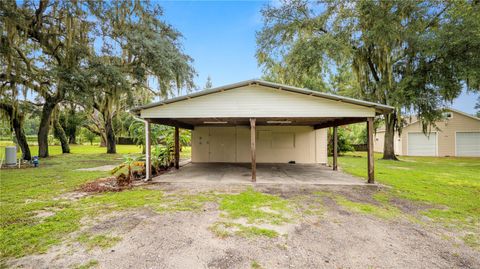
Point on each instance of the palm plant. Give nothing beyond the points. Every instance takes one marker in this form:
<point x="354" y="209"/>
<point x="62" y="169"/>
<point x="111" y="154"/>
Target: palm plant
<point x="129" y="162"/>
<point x="162" y="156"/>
<point x="161" y="135"/>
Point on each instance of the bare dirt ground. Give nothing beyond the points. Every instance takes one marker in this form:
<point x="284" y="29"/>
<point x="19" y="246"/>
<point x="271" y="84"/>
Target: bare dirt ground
<point x="336" y="238"/>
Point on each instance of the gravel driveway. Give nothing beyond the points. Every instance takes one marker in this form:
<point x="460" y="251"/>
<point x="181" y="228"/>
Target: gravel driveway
<point x="334" y="238"/>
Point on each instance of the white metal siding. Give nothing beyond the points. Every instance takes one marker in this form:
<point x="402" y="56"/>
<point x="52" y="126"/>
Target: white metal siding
<point x="468" y="143"/>
<point x="421" y="145"/>
<point x="321" y="142"/>
<point x="222" y="141"/>
<point x="446" y="138"/>
<point x="275" y="144"/>
<point x="379" y="142"/>
<point x="257" y="101"/>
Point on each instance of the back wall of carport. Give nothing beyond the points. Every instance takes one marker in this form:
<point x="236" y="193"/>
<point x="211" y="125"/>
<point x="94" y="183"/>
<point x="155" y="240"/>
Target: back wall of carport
<point x="275" y="144"/>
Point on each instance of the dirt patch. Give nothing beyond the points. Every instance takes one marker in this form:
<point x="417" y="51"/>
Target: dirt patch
<point x="333" y="237"/>
<point x="98" y="168"/>
<point x="44" y="214"/>
<point x="230" y="259"/>
<point x="410" y="207"/>
<point x="359" y="195"/>
<point x="72" y="195"/>
<point x="286" y="192"/>
<point x="24" y="165"/>
<point x="120" y="223"/>
<point x="282" y="229"/>
<point x="399" y="168"/>
<point x="104" y="185"/>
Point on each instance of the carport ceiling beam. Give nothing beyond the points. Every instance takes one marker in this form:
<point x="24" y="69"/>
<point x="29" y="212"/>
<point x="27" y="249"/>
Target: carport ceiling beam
<point x="338" y="122"/>
<point x="172" y="122"/>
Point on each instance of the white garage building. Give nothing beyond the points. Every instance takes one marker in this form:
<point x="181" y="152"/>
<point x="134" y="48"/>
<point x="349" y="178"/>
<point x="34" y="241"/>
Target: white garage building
<point x="458" y="134"/>
<point x="258" y="121"/>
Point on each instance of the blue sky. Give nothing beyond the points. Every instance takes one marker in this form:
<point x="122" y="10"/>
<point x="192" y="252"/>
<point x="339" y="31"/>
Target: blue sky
<point x="220" y="37"/>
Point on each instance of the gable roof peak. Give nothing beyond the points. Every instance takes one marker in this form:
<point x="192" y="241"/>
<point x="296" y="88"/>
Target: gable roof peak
<point x="380" y="108"/>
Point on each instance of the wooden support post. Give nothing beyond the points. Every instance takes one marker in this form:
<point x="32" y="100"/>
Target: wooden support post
<point x="148" y="158"/>
<point x="253" y="149"/>
<point x="371" y="171"/>
<point x="335" y="148"/>
<point x="177" y="147"/>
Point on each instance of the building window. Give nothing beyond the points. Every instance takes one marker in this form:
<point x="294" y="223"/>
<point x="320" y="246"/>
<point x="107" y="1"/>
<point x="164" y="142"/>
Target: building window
<point x="447" y="115"/>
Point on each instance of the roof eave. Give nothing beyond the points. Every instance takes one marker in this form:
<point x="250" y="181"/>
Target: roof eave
<point x="379" y="108"/>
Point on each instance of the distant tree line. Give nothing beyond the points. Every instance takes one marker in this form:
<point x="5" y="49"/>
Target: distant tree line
<point x="75" y="64"/>
<point x="416" y="56"/>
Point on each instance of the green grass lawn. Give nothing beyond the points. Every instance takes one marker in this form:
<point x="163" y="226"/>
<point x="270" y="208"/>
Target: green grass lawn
<point x="86" y="149"/>
<point x="186" y="153"/>
<point x="25" y="192"/>
<point x="450" y="185"/>
<point x="80" y="149"/>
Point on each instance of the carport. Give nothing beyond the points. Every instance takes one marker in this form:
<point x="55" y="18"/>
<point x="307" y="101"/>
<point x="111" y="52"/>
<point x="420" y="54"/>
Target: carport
<point x="243" y="111"/>
<point x="238" y="173"/>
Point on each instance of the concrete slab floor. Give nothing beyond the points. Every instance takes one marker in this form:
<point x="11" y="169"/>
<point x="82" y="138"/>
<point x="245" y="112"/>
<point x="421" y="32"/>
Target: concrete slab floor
<point x="266" y="173"/>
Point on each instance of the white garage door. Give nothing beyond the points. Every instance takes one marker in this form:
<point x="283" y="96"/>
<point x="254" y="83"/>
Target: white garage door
<point x="468" y="144"/>
<point x="421" y="145"/>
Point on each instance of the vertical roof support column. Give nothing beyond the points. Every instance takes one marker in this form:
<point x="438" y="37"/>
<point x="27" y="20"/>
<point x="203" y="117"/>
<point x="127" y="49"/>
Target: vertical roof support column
<point x="177" y="147"/>
<point x="371" y="171"/>
<point x="148" y="159"/>
<point x="253" y="148"/>
<point x="335" y="148"/>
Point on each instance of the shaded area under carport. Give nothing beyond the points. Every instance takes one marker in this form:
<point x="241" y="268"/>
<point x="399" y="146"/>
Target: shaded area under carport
<point x="266" y="173"/>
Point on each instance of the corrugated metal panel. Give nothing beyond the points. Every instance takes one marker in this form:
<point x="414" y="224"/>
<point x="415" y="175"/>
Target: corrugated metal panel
<point x="257" y="101"/>
<point x="380" y="108"/>
<point x="321" y="141"/>
<point x="379" y="143"/>
<point x="222" y="141"/>
<point x="275" y="144"/>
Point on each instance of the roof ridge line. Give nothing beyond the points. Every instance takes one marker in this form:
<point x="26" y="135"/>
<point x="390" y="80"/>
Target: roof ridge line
<point x="380" y="107"/>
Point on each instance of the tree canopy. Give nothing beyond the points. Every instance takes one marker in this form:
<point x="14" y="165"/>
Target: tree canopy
<point x="414" y="55"/>
<point x="98" y="57"/>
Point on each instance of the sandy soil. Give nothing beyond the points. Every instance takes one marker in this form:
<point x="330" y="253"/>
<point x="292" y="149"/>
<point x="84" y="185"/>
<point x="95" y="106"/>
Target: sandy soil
<point x="337" y="238"/>
<point x="98" y="168"/>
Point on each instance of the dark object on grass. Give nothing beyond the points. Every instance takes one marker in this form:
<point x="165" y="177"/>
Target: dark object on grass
<point x="360" y="147"/>
<point x="137" y="175"/>
<point x="35" y="161"/>
<point x="123" y="180"/>
<point x="125" y="141"/>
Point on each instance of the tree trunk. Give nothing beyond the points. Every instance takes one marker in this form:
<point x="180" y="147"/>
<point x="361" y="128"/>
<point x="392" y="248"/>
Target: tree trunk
<point x="44" y="128"/>
<point x="388" y="147"/>
<point x="60" y="134"/>
<point x="21" y="138"/>
<point x="103" y="141"/>
<point x="71" y="124"/>
<point x="111" y="143"/>
<point x="72" y="138"/>
<point x="16" y="122"/>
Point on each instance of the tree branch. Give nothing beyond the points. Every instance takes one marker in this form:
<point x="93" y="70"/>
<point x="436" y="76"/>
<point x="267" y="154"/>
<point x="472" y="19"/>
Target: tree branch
<point x="434" y="19"/>
<point x="372" y="69"/>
